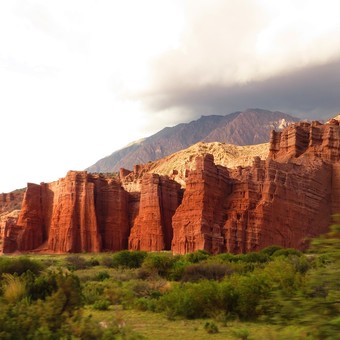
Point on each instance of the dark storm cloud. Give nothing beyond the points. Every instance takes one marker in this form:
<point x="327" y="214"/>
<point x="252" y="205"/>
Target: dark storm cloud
<point x="232" y="55"/>
<point x="312" y="92"/>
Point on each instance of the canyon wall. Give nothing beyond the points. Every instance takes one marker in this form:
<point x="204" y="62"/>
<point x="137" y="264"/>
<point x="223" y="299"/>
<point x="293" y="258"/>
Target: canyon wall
<point x="284" y="200"/>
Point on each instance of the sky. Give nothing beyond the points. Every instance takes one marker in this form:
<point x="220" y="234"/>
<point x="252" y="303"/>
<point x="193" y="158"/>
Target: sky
<point x="80" y="79"/>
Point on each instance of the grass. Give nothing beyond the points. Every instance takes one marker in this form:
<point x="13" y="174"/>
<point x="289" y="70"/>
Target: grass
<point x="119" y="282"/>
<point x="157" y="327"/>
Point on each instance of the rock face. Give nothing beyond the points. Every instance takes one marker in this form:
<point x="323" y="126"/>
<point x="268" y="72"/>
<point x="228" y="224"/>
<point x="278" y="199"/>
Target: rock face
<point x="284" y="200"/>
<point x="197" y="222"/>
<point x="152" y="229"/>
<point x="11" y="201"/>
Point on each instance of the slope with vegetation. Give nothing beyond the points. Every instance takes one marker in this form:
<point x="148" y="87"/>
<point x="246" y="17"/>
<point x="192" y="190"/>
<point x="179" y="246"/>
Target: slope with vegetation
<point x="276" y="293"/>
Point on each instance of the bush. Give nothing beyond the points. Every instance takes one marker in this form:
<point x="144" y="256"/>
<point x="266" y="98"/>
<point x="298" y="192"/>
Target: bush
<point x="124" y="259"/>
<point x="211" y="327"/>
<point x="197" y="256"/>
<point x="107" y="261"/>
<point x="242" y="333"/>
<point x="101" y="276"/>
<point x="19" y="265"/>
<point x="287" y="252"/>
<point x="191" y="300"/>
<point x="255" y="257"/>
<point x="270" y="250"/>
<point x="161" y="264"/>
<point x="75" y="262"/>
<point x="93" y="291"/>
<point x="101" y="305"/>
<point x="14" y="288"/>
<point x="209" y="271"/>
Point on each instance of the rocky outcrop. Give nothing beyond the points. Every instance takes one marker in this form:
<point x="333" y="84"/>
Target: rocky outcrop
<point x="198" y="220"/>
<point x="152" y="229"/>
<point x="283" y="200"/>
<point x="275" y="203"/>
<point x="11" y="201"/>
<point x="8" y="231"/>
<point x="312" y="140"/>
<point x="111" y="207"/>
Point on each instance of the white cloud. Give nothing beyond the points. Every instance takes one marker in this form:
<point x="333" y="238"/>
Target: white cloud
<point x="82" y="78"/>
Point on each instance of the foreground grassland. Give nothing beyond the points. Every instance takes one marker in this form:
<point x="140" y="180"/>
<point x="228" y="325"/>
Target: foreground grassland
<point x="272" y="294"/>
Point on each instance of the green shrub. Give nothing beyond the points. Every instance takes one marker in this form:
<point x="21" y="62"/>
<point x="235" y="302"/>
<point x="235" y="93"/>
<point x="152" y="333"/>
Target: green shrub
<point x="243" y="294"/>
<point x="129" y="259"/>
<point x="178" y="268"/>
<point x="124" y="259"/>
<point x="101" y="305"/>
<point x="270" y="250"/>
<point x="101" y="276"/>
<point x="93" y="291"/>
<point x="39" y="287"/>
<point x="255" y="257"/>
<point x="19" y="265"/>
<point x="197" y="256"/>
<point x="92" y="262"/>
<point x="209" y="271"/>
<point x="161" y="264"/>
<point x="191" y="300"/>
<point x="242" y="333"/>
<point x="211" y="328"/>
<point x="287" y="252"/>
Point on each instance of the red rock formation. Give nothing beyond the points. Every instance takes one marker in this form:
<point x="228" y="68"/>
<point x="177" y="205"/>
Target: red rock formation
<point x="8" y="233"/>
<point x="313" y="140"/>
<point x="11" y="201"/>
<point x="30" y="221"/>
<point x="283" y="200"/>
<point x="112" y="214"/>
<point x="285" y="205"/>
<point x="198" y="221"/>
<point x="152" y="229"/>
<point x="73" y="225"/>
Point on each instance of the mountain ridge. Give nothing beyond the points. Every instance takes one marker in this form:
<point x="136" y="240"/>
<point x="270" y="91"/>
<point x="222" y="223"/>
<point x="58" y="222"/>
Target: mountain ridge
<point x="248" y="127"/>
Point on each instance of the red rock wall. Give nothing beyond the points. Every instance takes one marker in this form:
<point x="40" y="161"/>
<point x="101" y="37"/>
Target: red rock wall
<point x="285" y="207"/>
<point x="111" y="205"/>
<point x="73" y="225"/>
<point x="11" y="201"/>
<point x="30" y="221"/>
<point x="198" y="222"/>
<point x="284" y="200"/>
<point x="313" y="140"/>
<point x="8" y="235"/>
<point x="152" y="228"/>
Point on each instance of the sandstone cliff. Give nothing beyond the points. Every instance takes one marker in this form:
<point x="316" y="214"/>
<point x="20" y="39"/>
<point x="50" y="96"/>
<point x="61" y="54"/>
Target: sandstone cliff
<point x="152" y="229"/>
<point x="284" y="200"/>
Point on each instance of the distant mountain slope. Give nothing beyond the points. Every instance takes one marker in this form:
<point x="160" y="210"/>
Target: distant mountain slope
<point x="242" y="128"/>
<point x="176" y="165"/>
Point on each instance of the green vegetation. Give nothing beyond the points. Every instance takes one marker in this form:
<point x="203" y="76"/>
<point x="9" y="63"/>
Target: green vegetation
<point x="272" y="294"/>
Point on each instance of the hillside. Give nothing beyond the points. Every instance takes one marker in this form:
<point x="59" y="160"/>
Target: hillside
<point x="241" y="128"/>
<point x="177" y="164"/>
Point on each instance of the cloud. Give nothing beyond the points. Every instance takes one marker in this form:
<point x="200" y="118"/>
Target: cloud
<point x="309" y="92"/>
<point x="232" y="55"/>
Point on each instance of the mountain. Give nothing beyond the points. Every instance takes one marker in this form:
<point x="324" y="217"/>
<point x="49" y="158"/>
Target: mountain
<point x="241" y="128"/>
